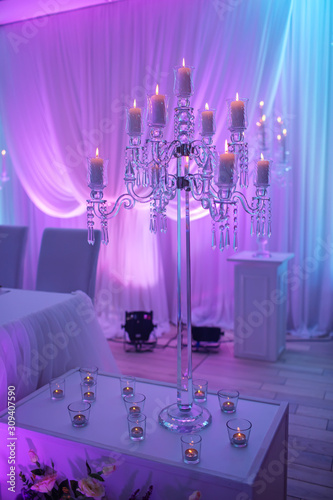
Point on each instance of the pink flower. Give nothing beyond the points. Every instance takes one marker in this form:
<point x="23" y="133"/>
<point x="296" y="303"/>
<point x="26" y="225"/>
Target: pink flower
<point x="196" y="495"/>
<point x="45" y="484"/>
<point x="107" y="469"/>
<point x="33" y="456"/>
<point x="91" y="487"/>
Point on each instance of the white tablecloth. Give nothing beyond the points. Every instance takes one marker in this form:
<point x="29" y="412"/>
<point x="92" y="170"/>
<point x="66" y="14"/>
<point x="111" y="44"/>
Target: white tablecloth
<point x="43" y="335"/>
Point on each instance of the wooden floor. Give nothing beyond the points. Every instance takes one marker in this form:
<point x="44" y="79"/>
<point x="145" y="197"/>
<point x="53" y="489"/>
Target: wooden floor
<point x="303" y="376"/>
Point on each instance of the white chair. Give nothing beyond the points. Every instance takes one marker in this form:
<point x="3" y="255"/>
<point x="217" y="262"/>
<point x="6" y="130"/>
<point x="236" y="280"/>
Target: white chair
<point x="13" y="242"/>
<point x="67" y="262"/>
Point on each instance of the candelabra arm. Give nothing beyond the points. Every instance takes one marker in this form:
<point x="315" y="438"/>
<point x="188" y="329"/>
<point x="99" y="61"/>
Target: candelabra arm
<point x="99" y="206"/>
<point x="136" y="197"/>
<point x="244" y="202"/>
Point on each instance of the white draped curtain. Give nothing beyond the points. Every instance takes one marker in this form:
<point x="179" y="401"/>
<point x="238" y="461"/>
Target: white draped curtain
<point x="65" y="82"/>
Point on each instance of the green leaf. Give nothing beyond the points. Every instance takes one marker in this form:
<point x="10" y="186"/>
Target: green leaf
<point x="96" y="476"/>
<point x="74" y="485"/>
<point x="64" y="484"/>
<point x="88" y="467"/>
<point x="38" y="472"/>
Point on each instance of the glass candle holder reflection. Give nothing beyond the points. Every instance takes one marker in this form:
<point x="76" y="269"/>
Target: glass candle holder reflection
<point x="97" y="172"/>
<point x="200" y="389"/>
<point x="237" y="114"/>
<point x="239" y="432"/>
<point x="191" y="448"/>
<point x="89" y="392"/>
<point x="89" y="375"/>
<point x="134" y="403"/>
<point x="57" y="389"/>
<point x="127" y="386"/>
<point x="79" y="413"/>
<point x="228" y="400"/>
<point x="136" y="426"/>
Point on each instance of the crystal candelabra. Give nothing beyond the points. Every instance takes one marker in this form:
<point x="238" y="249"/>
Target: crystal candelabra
<point x="149" y="179"/>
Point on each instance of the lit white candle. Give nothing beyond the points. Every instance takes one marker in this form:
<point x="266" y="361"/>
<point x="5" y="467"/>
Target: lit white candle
<point x="96" y="170"/>
<point x="184" y="81"/>
<point x="226" y="167"/>
<point x="4" y="176"/>
<point x="157" y="109"/>
<point x="263" y="172"/>
<point x="134" y="120"/>
<point x="207" y="121"/>
<point x="237" y="110"/>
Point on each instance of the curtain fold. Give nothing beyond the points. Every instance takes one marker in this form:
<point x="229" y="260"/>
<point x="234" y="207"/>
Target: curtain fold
<point x="63" y="93"/>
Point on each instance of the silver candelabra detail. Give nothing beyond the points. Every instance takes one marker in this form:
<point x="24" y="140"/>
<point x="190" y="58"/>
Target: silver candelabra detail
<point x="157" y="171"/>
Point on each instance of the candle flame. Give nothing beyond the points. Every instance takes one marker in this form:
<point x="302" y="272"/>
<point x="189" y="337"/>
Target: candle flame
<point x="261" y="104"/>
<point x="258" y="124"/>
<point x="237" y="96"/>
<point x="183" y="62"/>
<point x="263" y="118"/>
<point x="279" y="120"/>
<point x="134" y="104"/>
<point x="96" y="157"/>
<point x="226" y="146"/>
<point x="206" y="106"/>
<point x="262" y="156"/>
<point x="284" y="131"/>
<point x="156" y="89"/>
<point x="3" y="152"/>
<point x="238" y="429"/>
<point x="279" y="137"/>
<point x="187" y="159"/>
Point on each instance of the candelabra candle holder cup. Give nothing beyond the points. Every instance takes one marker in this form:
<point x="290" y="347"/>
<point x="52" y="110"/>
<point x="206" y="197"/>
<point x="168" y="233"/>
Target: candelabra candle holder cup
<point x="239" y="432"/>
<point x="183" y="81"/>
<point x="157" y="111"/>
<point x="207" y="123"/>
<point x="191" y="448"/>
<point x="97" y="172"/>
<point x="263" y="174"/>
<point x="79" y="413"/>
<point x="137" y="426"/>
<point x="226" y="171"/>
<point x="127" y="386"/>
<point x="237" y="114"/>
<point x="89" y="392"/>
<point x="135" y="122"/>
<point x="89" y="375"/>
<point x="134" y="403"/>
<point x="57" y="389"/>
<point x="200" y="390"/>
<point x="228" y="400"/>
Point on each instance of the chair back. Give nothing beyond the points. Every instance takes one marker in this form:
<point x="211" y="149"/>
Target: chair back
<point x="67" y="262"/>
<point x="13" y="242"/>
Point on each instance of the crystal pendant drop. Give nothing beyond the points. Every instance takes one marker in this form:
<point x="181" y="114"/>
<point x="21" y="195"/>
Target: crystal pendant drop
<point x="222" y="240"/>
<point x="213" y="238"/>
<point x="227" y="238"/>
<point x="105" y="234"/>
<point x="91" y="235"/>
<point x="235" y="245"/>
<point x="252" y="227"/>
<point x="138" y="179"/>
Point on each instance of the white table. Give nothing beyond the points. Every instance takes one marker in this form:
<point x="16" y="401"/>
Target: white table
<point x="224" y="471"/>
<point x="43" y="335"/>
<point x="260" y="305"/>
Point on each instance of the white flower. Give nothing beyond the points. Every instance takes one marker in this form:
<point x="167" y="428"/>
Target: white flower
<point x="33" y="456"/>
<point x="196" y="495"/>
<point x="46" y="484"/>
<point x="91" y="487"/>
<point x="107" y="469"/>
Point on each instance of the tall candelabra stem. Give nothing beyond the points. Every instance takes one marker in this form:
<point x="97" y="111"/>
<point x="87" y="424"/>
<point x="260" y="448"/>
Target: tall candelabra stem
<point x="180" y="401"/>
<point x="188" y="294"/>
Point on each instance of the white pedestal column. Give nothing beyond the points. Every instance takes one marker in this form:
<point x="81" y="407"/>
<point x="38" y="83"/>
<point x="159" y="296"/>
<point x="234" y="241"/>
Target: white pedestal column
<point x="260" y="305"/>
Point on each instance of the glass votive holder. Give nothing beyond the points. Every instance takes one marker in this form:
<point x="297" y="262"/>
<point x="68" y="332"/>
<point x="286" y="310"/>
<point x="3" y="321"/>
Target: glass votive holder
<point x="239" y="431"/>
<point x="228" y="400"/>
<point x="127" y="386"/>
<point x="89" y="375"/>
<point x="134" y="403"/>
<point x="89" y="392"/>
<point x="79" y="413"/>
<point x="200" y="389"/>
<point x="137" y="426"/>
<point x="57" y="388"/>
<point x="191" y="448"/>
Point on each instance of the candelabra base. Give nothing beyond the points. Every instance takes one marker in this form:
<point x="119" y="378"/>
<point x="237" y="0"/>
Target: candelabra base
<point x="192" y="420"/>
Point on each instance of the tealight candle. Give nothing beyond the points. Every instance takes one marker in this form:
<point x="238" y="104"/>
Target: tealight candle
<point x="79" y="420"/>
<point x="207" y="121"/>
<point x="157" y="109"/>
<point x="137" y="432"/>
<point x="237" y="110"/>
<point x="199" y="394"/>
<point x="58" y="394"/>
<point x="228" y="406"/>
<point x="134" y="410"/>
<point x="134" y="120"/>
<point x="96" y="170"/>
<point x="226" y="167"/>
<point x="239" y="438"/>
<point x="191" y="455"/>
<point x="127" y="391"/>
<point x="262" y="172"/>
<point x="89" y="396"/>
